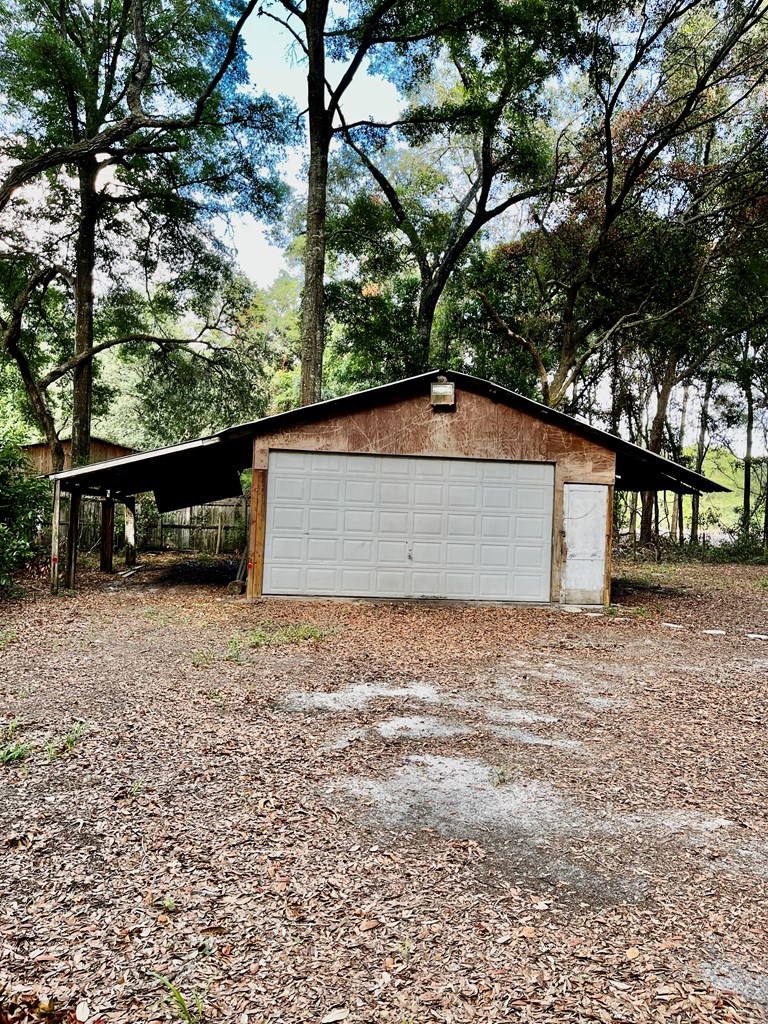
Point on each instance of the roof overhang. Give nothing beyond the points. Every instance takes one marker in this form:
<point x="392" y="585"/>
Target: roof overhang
<point x="208" y="468"/>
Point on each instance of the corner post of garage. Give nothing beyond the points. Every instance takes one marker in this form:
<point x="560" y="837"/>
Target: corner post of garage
<point x="107" y="535"/>
<point x="73" y="532"/>
<point x="55" y="531"/>
<point x="130" y="531"/>
<point x="258" y="525"/>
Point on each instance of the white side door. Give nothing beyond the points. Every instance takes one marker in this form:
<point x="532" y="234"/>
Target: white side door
<point x="585" y="516"/>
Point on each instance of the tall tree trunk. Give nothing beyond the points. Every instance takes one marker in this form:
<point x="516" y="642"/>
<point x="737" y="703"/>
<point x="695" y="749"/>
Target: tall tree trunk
<point x="676" y="525"/>
<point x="85" y="260"/>
<point x="36" y="395"/>
<point x="655" y="437"/>
<point x="425" y="318"/>
<point x="701" y="450"/>
<point x="313" y="303"/>
<point x="746" y="509"/>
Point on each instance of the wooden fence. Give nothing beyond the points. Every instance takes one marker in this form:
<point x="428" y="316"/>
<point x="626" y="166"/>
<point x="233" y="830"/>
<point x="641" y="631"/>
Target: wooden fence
<point x="218" y="528"/>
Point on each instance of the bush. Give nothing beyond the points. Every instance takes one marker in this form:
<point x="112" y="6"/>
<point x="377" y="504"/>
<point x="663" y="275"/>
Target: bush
<point x="23" y="499"/>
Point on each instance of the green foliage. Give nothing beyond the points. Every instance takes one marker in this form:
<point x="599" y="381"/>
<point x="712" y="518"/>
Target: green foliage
<point x="23" y="499"/>
<point x="62" y="746"/>
<point x="268" y="635"/>
<point x="190" y="1011"/>
<point x="12" y="750"/>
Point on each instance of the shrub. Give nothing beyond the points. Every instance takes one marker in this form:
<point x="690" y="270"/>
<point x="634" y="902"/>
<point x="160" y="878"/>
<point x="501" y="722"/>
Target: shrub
<point x="23" y="498"/>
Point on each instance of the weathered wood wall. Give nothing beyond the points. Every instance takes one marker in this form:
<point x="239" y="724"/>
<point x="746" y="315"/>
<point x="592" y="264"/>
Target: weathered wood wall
<point x="101" y="451"/>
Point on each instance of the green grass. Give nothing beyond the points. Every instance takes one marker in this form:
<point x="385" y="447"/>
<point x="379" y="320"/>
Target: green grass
<point x="7" y="636"/>
<point x="722" y="468"/>
<point x="62" y="746"/>
<point x="268" y="635"/>
<point x="191" y="1011"/>
<point x="13" y="750"/>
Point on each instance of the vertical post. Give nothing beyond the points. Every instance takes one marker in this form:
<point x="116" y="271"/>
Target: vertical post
<point x="130" y="532"/>
<point x="608" y="547"/>
<point x="55" y="516"/>
<point x="72" y="538"/>
<point x="257" y="533"/>
<point x="107" y="538"/>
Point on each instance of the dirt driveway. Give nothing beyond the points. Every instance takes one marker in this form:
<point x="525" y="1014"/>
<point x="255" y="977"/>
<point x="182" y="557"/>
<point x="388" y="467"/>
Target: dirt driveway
<point x="338" y="811"/>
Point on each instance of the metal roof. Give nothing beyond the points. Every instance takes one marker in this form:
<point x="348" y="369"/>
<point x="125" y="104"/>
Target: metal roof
<point x="208" y="468"/>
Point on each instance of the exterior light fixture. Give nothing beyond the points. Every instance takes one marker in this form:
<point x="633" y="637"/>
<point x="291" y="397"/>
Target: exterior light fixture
<point x="443" y="393"/>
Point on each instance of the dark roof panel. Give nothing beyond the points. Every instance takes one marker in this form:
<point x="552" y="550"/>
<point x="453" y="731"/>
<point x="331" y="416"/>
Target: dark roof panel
<point x="228" y="451"/>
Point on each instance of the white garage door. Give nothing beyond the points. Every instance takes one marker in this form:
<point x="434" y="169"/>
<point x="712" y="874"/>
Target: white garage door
<point x="386" y="526"/>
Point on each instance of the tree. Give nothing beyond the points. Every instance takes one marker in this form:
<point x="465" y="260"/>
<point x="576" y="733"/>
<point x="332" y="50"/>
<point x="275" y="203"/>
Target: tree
<point x="146" y="132"/>
<point x="22" y="500"/>
<point x="371" y="29"/>
<point x="660" y="137"/>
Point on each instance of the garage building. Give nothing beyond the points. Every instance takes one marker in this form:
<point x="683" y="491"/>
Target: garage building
<point x="441" y="486"/>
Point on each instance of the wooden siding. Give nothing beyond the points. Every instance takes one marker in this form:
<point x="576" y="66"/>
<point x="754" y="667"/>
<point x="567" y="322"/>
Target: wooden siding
<point x="101" y="451"/>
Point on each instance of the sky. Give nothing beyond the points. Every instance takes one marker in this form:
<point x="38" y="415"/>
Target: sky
<point x="275" y="68"/>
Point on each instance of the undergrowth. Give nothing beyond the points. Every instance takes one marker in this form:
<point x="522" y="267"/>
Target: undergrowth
<point x="267" y="635"/>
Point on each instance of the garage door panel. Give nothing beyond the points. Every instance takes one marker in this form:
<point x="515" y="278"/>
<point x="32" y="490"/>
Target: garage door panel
<point x="394" y="551"/>
<point x="494" y="555"/>
<point x="497" y="497"/>
<point x="325" y="519"/>
<point x="290" y="488"/>
<point x="357" y="550"/>
<point x="428" y="494"/>
<point x="529" y="557"/>
<point x="460" y="554"/>
<point x="363" y="491"/>
<point x="391" y="584"/>
<point x="428" y="524"/>
<point x="462" y="526"/>
<point x="323" y="549"/>
<point x="359" y="521"/>
<point x="356" y="581"/>
<point x="459" y="469"/>
<point x="534" y="499"/>
<point x="495" y="526"/>
<point x="379" y="526"/>
<point x="495" y="585"/>
<point x="531" y="528"/>
<point x="287" y="549"/>
<point x="393" y="492"/>
<point x="463" y="497"/>
<point x="291" y="517"/>
<point x="460" y="585"/>
<point x="322" y="581"/>
<point x="393" y="522"/>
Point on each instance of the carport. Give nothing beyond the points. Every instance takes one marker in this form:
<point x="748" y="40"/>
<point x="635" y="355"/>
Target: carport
<point x="441" y="486"/>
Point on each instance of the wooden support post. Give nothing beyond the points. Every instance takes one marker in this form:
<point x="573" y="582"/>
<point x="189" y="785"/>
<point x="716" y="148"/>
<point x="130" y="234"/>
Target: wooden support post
<point x="72" y="538"/>
<point x="219" y="531"/>
<point x="608" y="547"/>
<point x="130" y="532"/>
<point x="256" y="534"/>
<point x="107" y="538"/>
<point x="55" y="516"/>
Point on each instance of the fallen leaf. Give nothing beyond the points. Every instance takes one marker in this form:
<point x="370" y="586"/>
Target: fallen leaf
<point x="339" y="1013"/>
<point x="632" y="953"/>
<point x="82" y="1011"/>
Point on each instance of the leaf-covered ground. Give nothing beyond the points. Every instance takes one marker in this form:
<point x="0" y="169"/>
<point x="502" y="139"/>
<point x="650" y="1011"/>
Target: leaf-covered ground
<point x="329" y="811"/>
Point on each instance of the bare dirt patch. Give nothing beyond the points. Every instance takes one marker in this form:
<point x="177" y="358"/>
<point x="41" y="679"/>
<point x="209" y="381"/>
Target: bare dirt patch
<point x="417" y="814"/>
